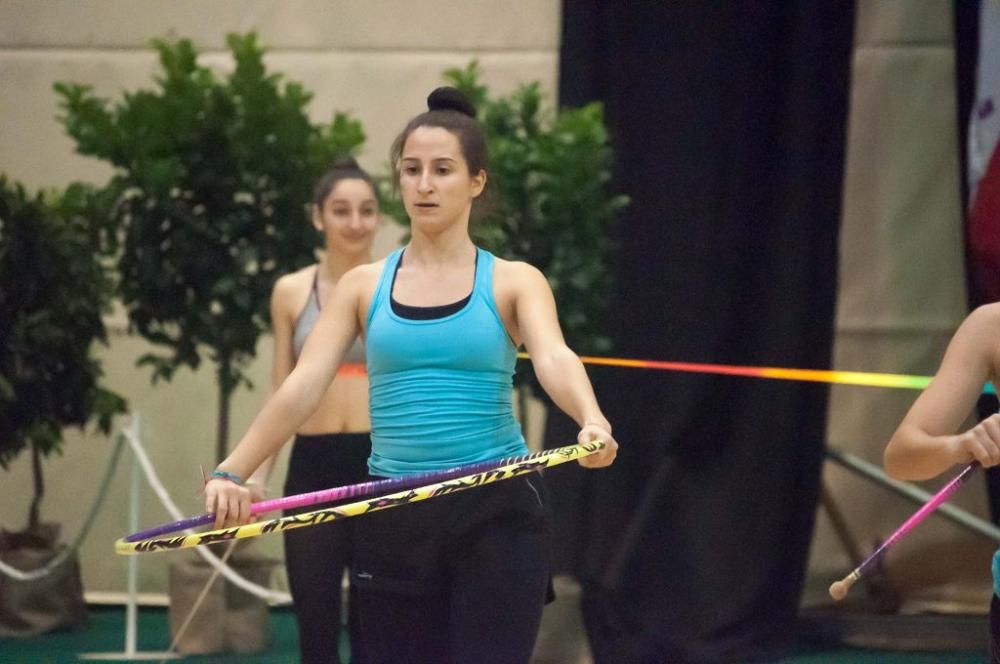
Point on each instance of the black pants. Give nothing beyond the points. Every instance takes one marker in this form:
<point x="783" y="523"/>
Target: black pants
<point x="316" y="557"/>
<point x="460" y="578"/>
<point x="987" y="405"/>
<point x="995" y="630"/>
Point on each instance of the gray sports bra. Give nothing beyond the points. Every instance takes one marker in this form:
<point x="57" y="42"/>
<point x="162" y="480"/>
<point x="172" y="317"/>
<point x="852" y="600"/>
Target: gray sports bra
<point x="307" y="318"/>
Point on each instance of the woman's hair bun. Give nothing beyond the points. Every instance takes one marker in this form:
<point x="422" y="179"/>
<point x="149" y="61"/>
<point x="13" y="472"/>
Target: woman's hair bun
<point x="346" y="162"/>
<point x="450" y="99"/>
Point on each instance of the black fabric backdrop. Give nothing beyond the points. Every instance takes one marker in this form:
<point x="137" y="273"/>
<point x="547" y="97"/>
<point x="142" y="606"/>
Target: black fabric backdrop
<point x="728" y="120"/>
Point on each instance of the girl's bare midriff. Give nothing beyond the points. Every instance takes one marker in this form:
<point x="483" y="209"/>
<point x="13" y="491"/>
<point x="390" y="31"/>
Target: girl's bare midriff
<point x="344" y="408"/>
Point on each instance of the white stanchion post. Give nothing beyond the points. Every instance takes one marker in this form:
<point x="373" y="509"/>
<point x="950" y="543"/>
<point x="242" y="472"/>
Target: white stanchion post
<point x="131" y="654"/>
<point x="131" y="609"/>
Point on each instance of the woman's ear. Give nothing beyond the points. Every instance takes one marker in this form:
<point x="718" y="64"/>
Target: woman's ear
<point x="478" y="183"/>
<point x="316" y="216"/>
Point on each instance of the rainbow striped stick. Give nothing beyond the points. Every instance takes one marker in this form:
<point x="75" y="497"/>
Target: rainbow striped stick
<point x="517" y="468"/>
<point x="864" y="378"/>
<point x="838" y="589"/>
<point x="338" y="493"/>
<point x="869" y="379"/>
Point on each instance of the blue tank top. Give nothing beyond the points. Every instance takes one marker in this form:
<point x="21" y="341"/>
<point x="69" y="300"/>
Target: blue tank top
<point x="440" y="389"/>
<point x="995" y="568"/>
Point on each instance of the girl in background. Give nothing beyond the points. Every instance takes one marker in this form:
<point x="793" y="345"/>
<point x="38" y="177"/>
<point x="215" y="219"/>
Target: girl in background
<point x="332" y="445"/>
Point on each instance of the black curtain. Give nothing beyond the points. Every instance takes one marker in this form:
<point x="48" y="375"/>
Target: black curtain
<point x="728" y="120"/>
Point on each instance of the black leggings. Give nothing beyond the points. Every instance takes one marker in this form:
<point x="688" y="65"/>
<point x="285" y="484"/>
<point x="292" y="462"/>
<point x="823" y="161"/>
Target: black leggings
<point x="316" y="557"/>
<point x="995" y="630"/>
<point x="460" y="578"/>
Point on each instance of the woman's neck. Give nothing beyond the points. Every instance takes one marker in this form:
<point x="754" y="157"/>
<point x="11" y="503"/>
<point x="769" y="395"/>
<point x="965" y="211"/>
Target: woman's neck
<point x="440" y="249"/>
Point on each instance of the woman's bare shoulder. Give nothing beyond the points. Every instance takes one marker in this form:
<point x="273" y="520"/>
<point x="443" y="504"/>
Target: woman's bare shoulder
<point x="363" y="277"/>
<point x="290" y="289"/>
<point x="989" y="313"/>
<point x="980" y="332"/>
<point x="519" y="277"/>
<point x="983" y="323"/>
<point x="298" y="279"/>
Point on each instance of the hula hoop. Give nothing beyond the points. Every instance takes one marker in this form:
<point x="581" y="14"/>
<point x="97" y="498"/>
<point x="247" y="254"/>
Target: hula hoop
<point x="337" y="494"/>
<point x="515" y="468"/>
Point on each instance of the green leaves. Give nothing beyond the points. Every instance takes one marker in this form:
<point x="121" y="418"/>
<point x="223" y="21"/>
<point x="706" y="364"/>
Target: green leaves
<point x="552" y="171"/>
<point x="213" y="174"/>
<point x="53" y="290"/>
<point x="342" y="136"/>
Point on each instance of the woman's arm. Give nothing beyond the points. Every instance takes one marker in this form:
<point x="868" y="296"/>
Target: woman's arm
<point x="295" y="400"/>
<point x="282" y="359"/>
<point x="926" y="442"/>
<point x="559" y="370"/>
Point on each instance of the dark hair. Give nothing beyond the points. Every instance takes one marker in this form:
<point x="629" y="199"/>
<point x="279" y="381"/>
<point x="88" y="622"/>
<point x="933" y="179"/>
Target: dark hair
<point x="449" y="109"/>
<point x="344" y="168"/>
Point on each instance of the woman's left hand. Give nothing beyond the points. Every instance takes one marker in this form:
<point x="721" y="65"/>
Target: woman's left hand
<point x="607" y="455"/>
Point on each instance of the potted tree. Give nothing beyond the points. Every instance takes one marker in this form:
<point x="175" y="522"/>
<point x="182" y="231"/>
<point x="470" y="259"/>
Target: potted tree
<point x="212" y="176"/>
<point x="53" y="291"/>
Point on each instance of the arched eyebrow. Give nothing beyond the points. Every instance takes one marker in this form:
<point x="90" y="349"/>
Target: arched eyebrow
<point x="435" y="160"/>
<point x="344" y="201"/>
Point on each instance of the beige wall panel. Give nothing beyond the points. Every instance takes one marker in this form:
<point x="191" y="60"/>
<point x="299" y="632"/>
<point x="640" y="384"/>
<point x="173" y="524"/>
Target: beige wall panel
<point x="386" y="90"/>
<point x="303" y="24"/>
<point x="881" y="22"/>
<point x="34" y="149"/>
<point x="901" y="291"/>
<point x="901" y="244"/>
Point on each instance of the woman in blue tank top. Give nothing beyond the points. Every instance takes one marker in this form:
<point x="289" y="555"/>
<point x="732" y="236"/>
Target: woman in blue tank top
<point x="462" y="578"/>
<point x="928" y="441"/>
<point x="332" y="446"/>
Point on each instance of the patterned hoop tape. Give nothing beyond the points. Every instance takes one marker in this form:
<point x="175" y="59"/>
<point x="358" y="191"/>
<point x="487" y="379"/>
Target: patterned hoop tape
<point x="336" y="494"/>
<point x="545" y="459"/>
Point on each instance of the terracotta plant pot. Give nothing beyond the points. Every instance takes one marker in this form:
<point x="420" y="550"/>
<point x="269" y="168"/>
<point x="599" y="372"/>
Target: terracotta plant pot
<point x="229" y="618"/>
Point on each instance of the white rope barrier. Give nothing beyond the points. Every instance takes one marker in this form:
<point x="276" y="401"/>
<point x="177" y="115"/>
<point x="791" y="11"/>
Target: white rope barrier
<point x="60" y="558"/>
<point x="271" y="596"/>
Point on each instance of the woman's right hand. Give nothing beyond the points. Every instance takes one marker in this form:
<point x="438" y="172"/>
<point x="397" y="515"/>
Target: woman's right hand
<point x="228" y="501"/>
<point x="981" y="443"/>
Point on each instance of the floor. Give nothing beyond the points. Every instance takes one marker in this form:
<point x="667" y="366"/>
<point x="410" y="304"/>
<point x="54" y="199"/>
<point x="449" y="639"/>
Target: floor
<point x="824" y="637"/>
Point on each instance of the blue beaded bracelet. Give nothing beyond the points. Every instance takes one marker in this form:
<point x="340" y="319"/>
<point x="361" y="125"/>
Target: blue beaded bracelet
<point x="226" y="475"/>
